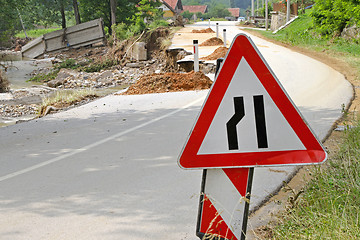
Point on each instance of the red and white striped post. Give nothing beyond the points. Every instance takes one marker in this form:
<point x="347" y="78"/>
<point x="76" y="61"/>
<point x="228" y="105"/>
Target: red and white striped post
<point x="224" y="203"/>
<point x="196" y="55"/>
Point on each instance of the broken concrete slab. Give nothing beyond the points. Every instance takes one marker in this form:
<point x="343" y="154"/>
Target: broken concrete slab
<point x="80" y="35"/>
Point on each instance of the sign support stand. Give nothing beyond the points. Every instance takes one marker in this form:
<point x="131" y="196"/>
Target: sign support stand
<point x="247" y="203"/>
<point x="201" y="199"/>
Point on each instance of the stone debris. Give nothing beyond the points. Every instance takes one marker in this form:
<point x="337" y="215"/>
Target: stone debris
<point x="14" y="111"/>
<point x="23" y="102"/>
<point x="129" y="74"/>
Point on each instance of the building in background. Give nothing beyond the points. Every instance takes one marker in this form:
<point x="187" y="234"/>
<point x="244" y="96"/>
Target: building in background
<point x="235" y="13"/>
<point x="171" y="8"/>
<point x="196" y="9"/>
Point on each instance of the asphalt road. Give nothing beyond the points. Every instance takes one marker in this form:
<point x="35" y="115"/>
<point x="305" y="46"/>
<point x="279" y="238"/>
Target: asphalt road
<point x="108" y="170"/>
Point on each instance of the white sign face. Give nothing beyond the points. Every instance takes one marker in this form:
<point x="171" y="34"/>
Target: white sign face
<point x="243" y="96"/>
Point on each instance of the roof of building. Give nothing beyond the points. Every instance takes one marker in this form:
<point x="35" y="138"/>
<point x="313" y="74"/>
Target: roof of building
<point x="196" y="8"/>
<point x="235" y="12"/>
<point x="172" y="4"/>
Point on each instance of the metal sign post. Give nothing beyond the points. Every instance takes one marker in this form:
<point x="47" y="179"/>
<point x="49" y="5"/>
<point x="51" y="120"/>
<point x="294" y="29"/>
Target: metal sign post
<point x="247" y="203"/>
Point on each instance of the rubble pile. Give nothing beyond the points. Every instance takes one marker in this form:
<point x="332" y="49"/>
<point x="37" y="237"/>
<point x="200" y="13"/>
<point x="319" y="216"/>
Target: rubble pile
<point x="13" y="111"/>
<point x="129" y="74"/>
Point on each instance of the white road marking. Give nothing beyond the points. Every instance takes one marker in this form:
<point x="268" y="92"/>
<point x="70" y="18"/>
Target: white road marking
<point x="95" y="144"/>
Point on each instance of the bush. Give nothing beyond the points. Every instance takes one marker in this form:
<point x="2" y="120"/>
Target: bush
<point x="124" y="31"/>
<point x="158" y="23"/>
<point x="68" y="63"/>
<point x="44" y="77"/>
<point x="332" y="16"/>
<point x="97" y="67"/>
<point x="187" y="14"/>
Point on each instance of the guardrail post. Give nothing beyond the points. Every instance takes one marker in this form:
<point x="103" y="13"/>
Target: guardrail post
<point x="224" y="36"/>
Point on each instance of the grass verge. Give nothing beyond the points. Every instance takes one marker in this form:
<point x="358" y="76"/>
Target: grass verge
<point x="329" y="208"/>
<point x="65" y="98"/>
<point x="330" y="205"/>
<point x="35" y="33"/>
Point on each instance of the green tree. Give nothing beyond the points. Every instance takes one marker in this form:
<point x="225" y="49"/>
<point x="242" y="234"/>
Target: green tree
<point x="76" y="12"/>
<point x="45" y="12"/>
<point x="187" y="14"/>
<point x="9" y="21"/>
<point x="243" y="4"/>
<point x="92" y="9"/>
<point x="218" y="11"/>
<point x="191" y="2"/>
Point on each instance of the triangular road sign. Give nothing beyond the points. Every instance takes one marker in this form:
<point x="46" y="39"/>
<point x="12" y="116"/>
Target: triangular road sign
<point x="248" y="119"/>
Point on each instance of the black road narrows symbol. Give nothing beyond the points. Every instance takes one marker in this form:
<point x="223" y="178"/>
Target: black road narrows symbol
<point x="234" y="120"/>
<point x="260" y="121"/>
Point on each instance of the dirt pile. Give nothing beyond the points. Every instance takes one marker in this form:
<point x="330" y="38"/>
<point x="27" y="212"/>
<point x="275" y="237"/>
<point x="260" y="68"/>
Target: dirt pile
<point x="220" y="52"/>
<point x="170" y="82"/>
<point x="212" y="42"/>
<point x="4" y="83"/>
<point x="154" y="39"/>
<point x="207" y="30"/>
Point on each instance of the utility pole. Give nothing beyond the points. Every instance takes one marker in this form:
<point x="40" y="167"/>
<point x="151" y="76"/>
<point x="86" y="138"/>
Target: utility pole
<point x="252" y="8"/>
<point x="22" y="23"/>
<point x="288" y="11"/>
<point x="266" y="15"/>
